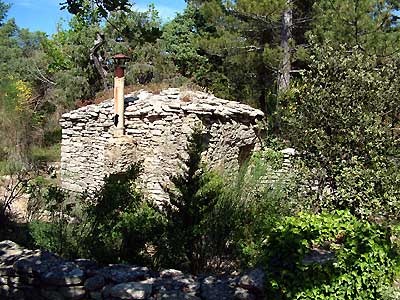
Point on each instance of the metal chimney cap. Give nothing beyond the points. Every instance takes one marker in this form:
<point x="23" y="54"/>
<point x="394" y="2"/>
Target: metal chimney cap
<point x="119" y="62"/>
<point x="120" y="56"/>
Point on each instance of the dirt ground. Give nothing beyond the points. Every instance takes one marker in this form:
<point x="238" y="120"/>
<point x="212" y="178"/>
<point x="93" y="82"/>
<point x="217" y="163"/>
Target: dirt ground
<point x="19" y="207"/>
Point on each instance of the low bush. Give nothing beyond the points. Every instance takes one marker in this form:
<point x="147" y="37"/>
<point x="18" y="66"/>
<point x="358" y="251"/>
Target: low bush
<point x="121" y="226"/>
<point x="262" y="193"/>
<point x="214" y="221"/>
<point x="190" y="241"/>
<point x="209" y="221"/>
<point x="57" y="225"/>
<point x="113" y="226"/>
<point x="328" y="256"/>
<point x="46" y="154"/>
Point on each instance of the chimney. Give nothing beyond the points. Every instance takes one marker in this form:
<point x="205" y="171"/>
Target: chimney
<point x="119" y="85"/>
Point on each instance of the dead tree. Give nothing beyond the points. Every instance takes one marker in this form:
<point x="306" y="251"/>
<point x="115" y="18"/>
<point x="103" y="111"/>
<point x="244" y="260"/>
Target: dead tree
<point x="286" y="35"/>
<point x="98" y="60"/>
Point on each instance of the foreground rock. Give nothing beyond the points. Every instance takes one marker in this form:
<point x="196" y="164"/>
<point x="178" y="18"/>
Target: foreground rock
<point x="40" y="275"/>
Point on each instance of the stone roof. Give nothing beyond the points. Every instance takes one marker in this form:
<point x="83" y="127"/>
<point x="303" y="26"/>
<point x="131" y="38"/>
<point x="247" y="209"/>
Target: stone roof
<point x="169" y="101"/>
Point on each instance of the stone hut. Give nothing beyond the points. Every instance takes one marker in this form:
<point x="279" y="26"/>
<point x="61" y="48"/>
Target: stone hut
<point x="157" y="128"/>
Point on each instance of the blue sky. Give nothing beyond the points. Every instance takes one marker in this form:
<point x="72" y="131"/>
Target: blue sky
<point x="44" y="15"/>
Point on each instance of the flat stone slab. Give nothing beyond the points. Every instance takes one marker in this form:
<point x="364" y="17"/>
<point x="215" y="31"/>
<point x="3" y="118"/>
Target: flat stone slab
<point x="63" y="274"/>
<point x="243" y="294"/>
<point x="213" y="288"/>
<point x="73" y="292"/>
<point x="253" y="281"/>
<point x="175" y="295"/>
<point x="123" y="273"/>
<point x="171" y="273"/>
<point x="95" y="283"/>
<point x="36" y="262"/>
<point x="131" y="290"/>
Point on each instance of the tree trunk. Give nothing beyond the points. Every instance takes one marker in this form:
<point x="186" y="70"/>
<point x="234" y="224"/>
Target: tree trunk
<point x="98" y="60"/>
<point x="286" y="34"/>
<point x="262" y="80"/>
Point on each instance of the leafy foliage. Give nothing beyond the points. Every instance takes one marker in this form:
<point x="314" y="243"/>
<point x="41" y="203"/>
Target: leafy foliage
<point x="22" y="107"/>
<point x="59" y="235"/>
<point x="4" y="7"/>
<point x="357" y="261"/>
<point x="121" y="225"/>
<point x="241" y="46"/>
<point x="117" y="227"/>
<point x="179" y="39"/>
<point x="95" y="9"/>
<point x="343" y="122"/>
<point x="262" y="193"/>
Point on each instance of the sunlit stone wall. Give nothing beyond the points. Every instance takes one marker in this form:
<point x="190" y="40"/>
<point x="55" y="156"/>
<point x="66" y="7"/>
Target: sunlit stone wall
<point x="157" y="128"/>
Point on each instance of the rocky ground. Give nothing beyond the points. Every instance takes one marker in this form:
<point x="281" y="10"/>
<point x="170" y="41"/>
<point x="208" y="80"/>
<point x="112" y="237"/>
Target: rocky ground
<point x="34" y="274"/>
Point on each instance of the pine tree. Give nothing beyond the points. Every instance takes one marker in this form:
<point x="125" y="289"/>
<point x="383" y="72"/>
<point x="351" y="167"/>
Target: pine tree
<point x="371" y="25"/>
<point x="253" y="44"/>
<point x="4" y="7"/>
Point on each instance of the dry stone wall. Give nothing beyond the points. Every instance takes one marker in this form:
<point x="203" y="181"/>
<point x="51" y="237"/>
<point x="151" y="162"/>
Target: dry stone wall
<point x="39" y="275"/>
<point x="157" y="128"/>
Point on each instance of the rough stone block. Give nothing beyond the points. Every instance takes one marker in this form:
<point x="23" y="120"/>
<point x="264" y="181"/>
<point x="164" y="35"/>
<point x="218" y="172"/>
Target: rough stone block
<point x="51" y="294"/>
<point x="171" y="273"/>
<point x="243" y="294"/>
<point x="131" y="290"/>
<point x="253" y="281"/>
<point x="73" y="292"/>
<point x="94" y="283"/>
<point x="96" y="295"/>
<point x="63" y="274"/>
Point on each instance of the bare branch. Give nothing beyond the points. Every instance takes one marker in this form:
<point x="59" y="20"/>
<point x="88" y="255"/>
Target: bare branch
<point x="42" y="77"/>
<point x="97" y="59"/>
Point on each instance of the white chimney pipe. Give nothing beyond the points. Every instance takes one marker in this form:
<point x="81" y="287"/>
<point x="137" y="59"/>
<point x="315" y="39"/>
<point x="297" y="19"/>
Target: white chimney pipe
<point x="119" y="86"/>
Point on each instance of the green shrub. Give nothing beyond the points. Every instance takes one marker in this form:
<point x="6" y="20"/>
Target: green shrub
<point x="43" y="235"/>
<point x="113" y="226"/>
<point x="328" y="256"/>
<point x="252" y="201"/>
<point x="63" y="230"/>
<point x="213" y="220"/>
<point x="190" y="242"/>
<point x="122" y="227"/>
<point x="207" y="222"/>
<point x="46" y="154"/>
<point x="61" y="237"/>
<point x="141" y="231"/>
<point x="52" y="136"/>
<point x="342" y="120"/>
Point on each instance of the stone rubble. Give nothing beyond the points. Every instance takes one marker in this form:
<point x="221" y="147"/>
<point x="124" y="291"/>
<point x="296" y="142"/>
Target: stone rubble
<point x="39" y="275"/>
<point x="157" y="128"/>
